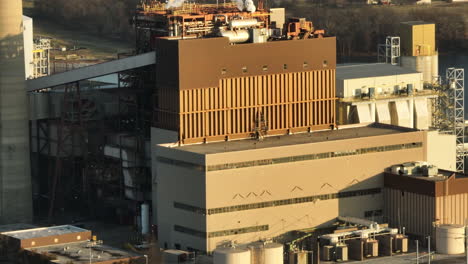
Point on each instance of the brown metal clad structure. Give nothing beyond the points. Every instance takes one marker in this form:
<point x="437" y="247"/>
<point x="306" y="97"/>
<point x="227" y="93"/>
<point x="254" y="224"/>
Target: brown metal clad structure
<point x="418" y="203"/>
<point x="218" y="91"/>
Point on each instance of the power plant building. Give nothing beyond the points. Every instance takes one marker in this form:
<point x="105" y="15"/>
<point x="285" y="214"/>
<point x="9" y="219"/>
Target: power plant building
<point x="248" y="190"/>
<point x="420" y="196"/>
<point x="383" y="93"/>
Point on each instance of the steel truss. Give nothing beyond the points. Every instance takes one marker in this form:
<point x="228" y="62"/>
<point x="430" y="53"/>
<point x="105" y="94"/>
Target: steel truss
<point x="390" y="51"/>
<point x="455" y="80"/>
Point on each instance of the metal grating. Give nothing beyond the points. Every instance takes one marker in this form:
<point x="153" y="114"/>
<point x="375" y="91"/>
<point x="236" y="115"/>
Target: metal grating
<point x="455" y="79"/>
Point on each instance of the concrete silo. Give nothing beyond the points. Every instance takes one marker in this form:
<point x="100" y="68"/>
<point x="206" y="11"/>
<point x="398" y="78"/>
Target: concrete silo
<point x="15" y="175"/>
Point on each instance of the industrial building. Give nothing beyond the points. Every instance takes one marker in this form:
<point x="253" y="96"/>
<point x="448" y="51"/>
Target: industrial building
<point x="59" y="244"/>
<point x="256" y="201"/>
<point x="383" y="93"/>
<point x="228" y="136"/>
<point x="420" y="196"/>
<point x="418" y="49"/>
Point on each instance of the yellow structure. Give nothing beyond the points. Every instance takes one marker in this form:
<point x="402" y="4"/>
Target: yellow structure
<point x="418" y="49"/>
<point x="417" y="38"/>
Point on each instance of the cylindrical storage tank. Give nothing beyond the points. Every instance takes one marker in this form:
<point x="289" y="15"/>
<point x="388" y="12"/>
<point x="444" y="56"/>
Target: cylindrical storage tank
<point x="236" y="36"/>
<point x="257" y="251"/>
<point x="450" y="239"/>
<point x="15" y="174"/>
<point x="231" y="256"/>
<point x="145" y="221"/>
<point x="243" y="23"/>
<point x="274" y="253"/>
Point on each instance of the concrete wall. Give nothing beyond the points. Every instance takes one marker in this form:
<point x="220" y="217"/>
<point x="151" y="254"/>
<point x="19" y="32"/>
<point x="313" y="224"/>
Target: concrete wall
<point x="382" y="84"/>
<point x="158" y="136"/>
<point x="257" y="184"/>
<point x="427" y="65"/>
<point x="28" y="46"/>
<point x="405" y="111"/>
<point x="15" y="174"/>
<point x="441" y="150"/>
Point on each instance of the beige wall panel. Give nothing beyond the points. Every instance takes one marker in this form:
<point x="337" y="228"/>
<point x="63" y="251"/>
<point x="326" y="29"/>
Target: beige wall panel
<point x="282" y="219"/>
<point x="441" y="150"/>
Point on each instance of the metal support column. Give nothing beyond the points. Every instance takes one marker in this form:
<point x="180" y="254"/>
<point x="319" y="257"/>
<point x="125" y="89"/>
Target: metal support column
<point x="455" y="79"/>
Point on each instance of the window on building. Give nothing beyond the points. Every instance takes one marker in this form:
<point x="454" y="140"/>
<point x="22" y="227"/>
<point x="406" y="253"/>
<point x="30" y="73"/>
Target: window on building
<point x="285" y="66"/>
<point x="244" y="69"/>
<point x="305" y="65"/>
<point x="325" y="63"/>
<point x="223" y="71"/>
<point x="265" y="68"/>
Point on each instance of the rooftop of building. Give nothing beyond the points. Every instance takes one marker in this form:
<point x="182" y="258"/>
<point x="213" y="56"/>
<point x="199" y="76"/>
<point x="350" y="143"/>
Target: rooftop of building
<point x="344" y="132"/>
<point x="368" y="70"/>
<point x="426" y="179"/>
<point x="414" y="23"/>
<point x="15" y="227"/>
<point x="78" y="253"/>
<point x="44" y="232"/>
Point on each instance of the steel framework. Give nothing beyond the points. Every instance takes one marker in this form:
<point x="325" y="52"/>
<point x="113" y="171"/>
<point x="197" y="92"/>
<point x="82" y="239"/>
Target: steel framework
<point x="390" y="51"/>
<point x="455" y="80"/>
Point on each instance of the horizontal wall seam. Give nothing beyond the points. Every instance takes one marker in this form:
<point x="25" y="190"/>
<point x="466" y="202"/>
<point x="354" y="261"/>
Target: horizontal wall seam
<point x="298" y="200"/>
<point x="254" y="163"/>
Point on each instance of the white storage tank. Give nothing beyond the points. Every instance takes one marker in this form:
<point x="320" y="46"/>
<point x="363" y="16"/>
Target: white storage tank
<point x="274" y="253"/>
<point x="257" y="251"/>
<point x="231" y="256"/>
<point x="450" y="239"/>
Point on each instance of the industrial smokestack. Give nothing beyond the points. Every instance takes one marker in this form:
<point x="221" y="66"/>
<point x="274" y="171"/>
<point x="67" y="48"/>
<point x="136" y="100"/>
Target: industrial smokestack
<point x="15" y="174"/>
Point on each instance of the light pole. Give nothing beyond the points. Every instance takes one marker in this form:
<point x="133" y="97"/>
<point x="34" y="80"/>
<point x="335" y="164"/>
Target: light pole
<point x="417" y="251"/>
<point x="91" y="243"/>
<point x="146" y="258"/>
<point x="429" y="249"/>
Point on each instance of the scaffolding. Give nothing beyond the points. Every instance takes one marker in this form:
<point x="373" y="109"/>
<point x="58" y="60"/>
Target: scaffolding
<point x="41" y="57"/>
<point x="455" y="81"/>
<point x="390" y="51"/>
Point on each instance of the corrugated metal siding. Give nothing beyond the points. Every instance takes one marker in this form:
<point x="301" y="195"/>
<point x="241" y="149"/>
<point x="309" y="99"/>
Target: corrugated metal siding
<point x="290" y="102"/>
<point x="452" y="209"/>
<point x="415" y="212"/>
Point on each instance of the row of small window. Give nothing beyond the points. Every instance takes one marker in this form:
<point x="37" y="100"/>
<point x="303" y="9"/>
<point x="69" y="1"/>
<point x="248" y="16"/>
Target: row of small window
<point x="325" y="155"/>
<point x="180" y="163"/>
<point x="305" y="66"/>
<point x="298" y="200"/>
<point x="373" y="213"/>
<point x="254" y="163"/>
<point x="228" y="232"/>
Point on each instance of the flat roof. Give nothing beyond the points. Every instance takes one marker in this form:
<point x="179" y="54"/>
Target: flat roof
<point x="15" y="227"/>
<point x="345" y="132"/>
<point x="79" y="253"/>
<point x="44" y="232"/>
<point x="367" y="70"/>
<point x="413" y="23"/>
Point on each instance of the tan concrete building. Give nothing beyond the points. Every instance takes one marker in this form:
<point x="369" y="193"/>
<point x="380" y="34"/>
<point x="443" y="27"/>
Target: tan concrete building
<point x="420" y="202"/>
<point x="383" y="93"/>
<point x="210" y="194"/>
